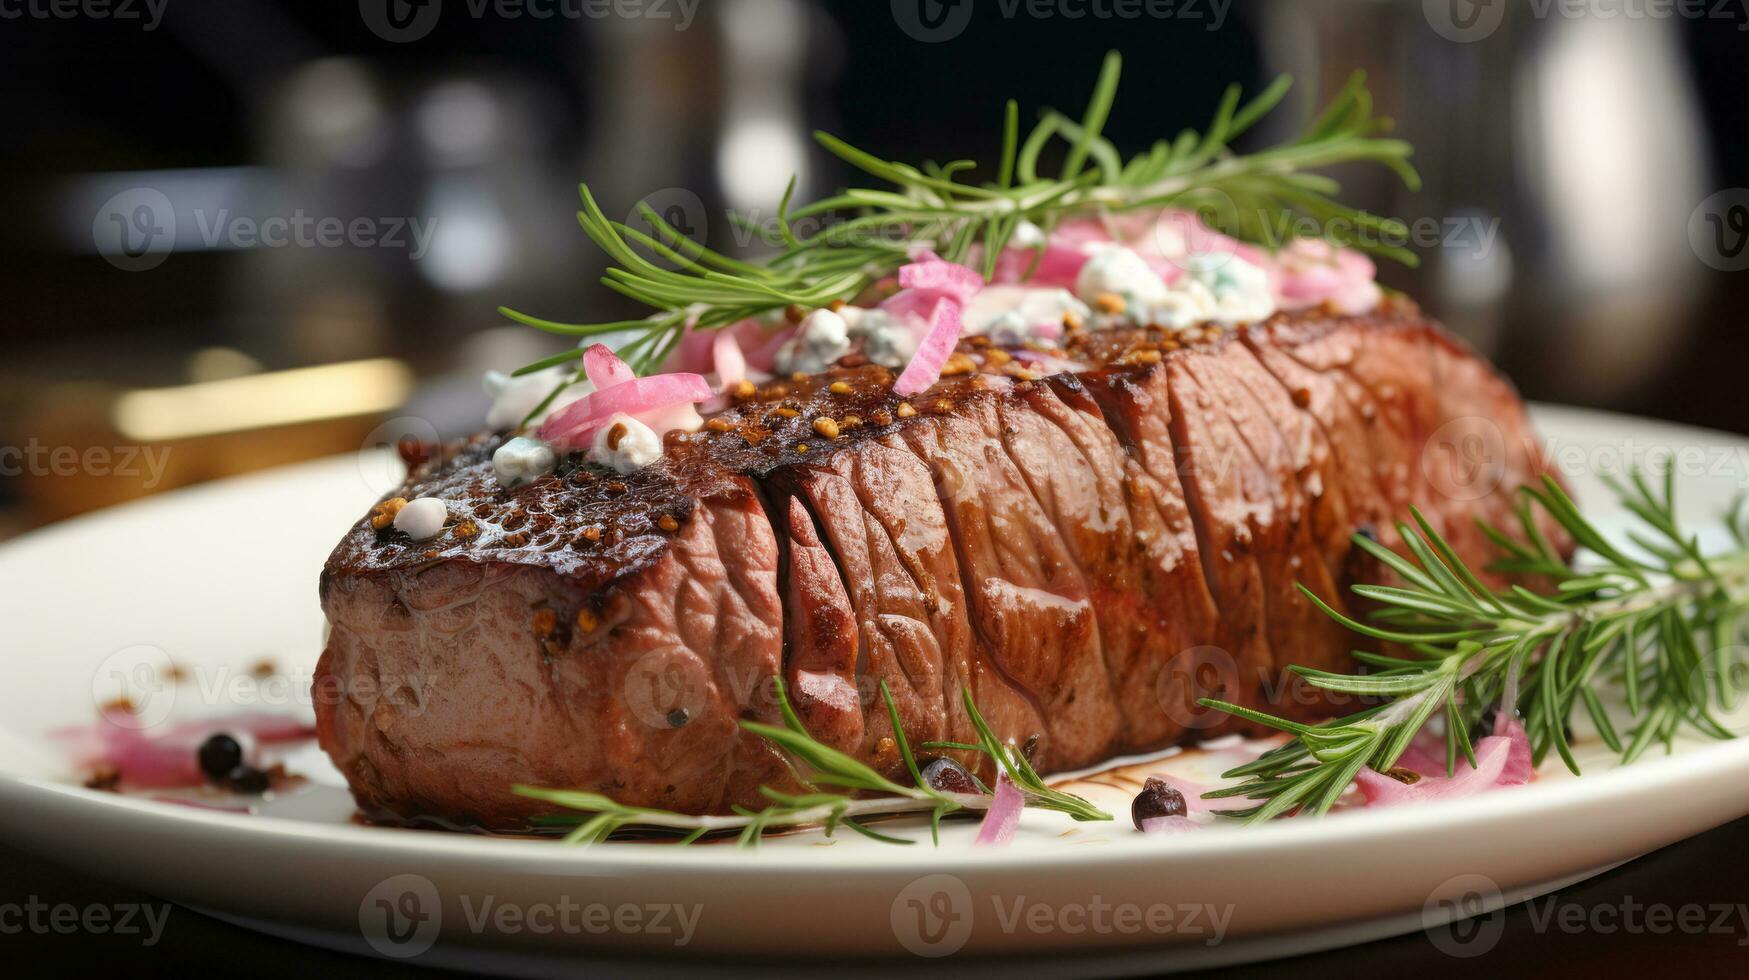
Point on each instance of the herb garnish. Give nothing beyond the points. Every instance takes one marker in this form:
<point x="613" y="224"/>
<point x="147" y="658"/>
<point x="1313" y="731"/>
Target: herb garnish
<point x="821" y="766"/>
<point x="1661" y="624"/>
<point x="1252" y="197"/>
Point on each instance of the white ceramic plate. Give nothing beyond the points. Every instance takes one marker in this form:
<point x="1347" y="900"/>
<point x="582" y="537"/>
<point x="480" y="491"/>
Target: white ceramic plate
<point x="216" y="578"/>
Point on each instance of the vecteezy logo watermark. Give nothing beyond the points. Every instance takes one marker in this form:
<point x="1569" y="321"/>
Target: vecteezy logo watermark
<point x="1191" y="675"/>
<point x="400" y="21"/>
<point x="667" y="687"/>
<point x="1718" y="230"/>
<point x="1464" y="21"/>
<point x="680" y="210"/>
<point x="403" y="436"/>
<point x="66" y="919"/>
<point x="404" y="21"/>
<point x="401" y="916"/>
<point x="932" y="916"/>
<point x="1464" y="916"/>
<point x="135" y="230"/>
<point x="1465" y="459"/>
<point x="934" y="21"/>
<point x="143" y="677"/>
<point x="148" y="13"/>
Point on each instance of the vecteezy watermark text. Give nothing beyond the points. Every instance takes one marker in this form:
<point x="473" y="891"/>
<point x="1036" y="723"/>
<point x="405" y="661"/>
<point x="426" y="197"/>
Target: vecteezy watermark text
<point x="405" y="21"/>
<point x="933" y="21"/>
<point x="147" y="13"/>
<point x="146" y="463"/>
<point x="137" y="229"/>
<point x="305" y="231"/>
<point x="36" y="916"/>
<point x="1465" y="21"/>
<point x="402" y="916"/>
<point x="933" y="917"/>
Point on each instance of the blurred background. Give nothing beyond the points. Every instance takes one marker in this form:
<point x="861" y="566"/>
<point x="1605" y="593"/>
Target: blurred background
<point x="246" y="232"/>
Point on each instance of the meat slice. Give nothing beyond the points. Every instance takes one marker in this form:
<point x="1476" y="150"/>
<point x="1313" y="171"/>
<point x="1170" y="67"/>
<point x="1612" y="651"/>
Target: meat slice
<point x="1087" y="554"/>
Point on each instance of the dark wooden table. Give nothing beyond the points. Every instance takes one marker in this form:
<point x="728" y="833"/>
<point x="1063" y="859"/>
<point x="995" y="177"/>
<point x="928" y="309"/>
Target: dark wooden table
<point x="1707" y="871"/>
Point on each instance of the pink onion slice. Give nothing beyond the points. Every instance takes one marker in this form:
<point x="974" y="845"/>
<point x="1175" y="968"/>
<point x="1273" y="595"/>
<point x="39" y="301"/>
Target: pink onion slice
<point x="1169" y="825"/>
<point x="604" y="368"/>
<point x="1426" y="754"/>
<point x="1520" y="764"/>
<point x="1003" y="817"/>
<point x="937" y="278"/>
<point x="731" y="364"/>
<point x="1491" y="752"/>
<point x="932" y="354"/>
<point x="576" y="423"/>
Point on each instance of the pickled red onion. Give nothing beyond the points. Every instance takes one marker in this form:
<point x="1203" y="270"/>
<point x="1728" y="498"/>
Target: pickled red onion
<point x="730" y="363"/>
<point x="935" y="277"/>
<point x="1169" y="825"/>
<point x="1520" y="764"/>
<point x="1003" y="817"/>
<point x="1491" y="755"/>
<point x="932" y="353"/>
<point x="604" y="368"/>
<point x="576" y="423"/>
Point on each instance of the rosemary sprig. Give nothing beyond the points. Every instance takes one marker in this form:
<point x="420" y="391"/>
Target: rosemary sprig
<point x="1660" y="622"/>
<point x="1258" y="197"/>
<point x="820" y="766"/>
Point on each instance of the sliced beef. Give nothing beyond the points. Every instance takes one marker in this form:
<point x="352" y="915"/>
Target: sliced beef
<point x="1086" y="554"/>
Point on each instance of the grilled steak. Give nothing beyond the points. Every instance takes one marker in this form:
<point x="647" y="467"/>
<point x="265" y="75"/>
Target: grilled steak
<point x="1087" y="553"/>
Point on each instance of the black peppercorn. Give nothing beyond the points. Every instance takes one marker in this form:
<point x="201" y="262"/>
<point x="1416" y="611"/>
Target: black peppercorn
<point x="1157" y="800"/>
<point x="248" y="779"/>
<point x="219" y="756"/>
<point x="678" y="717"/>
<point x="947" y="776"/>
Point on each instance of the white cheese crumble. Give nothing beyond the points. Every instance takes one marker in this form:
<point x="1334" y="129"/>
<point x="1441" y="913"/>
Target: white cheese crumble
<point x="886" y="340"/>
<point x="1014" y="315"/>
<point x="1121" y="272"/>
<point x="1186" y="305"/>
<point x="1241" y="290"/>
<point x="514" y="397"/>
<point x="522" y="459"/>
<point x="625" y="445"/>
<point x="1026" y="235"/>
<point x="421" y="518"/>
<point x="822" y="338"/>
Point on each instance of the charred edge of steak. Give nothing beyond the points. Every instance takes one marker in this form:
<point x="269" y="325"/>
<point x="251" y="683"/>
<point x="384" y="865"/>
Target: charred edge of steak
<point x="597" y="527"/>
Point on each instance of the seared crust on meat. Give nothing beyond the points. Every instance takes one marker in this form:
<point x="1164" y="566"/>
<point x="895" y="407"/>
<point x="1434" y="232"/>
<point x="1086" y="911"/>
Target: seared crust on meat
<point x="1087" y="553"/>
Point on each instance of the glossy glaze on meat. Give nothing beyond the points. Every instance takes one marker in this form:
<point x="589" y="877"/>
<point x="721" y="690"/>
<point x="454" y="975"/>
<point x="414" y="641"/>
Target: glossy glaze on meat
<point x="1087" y="553"/>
